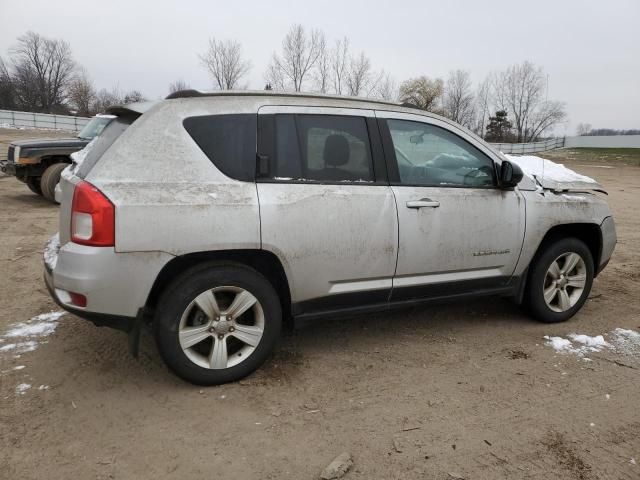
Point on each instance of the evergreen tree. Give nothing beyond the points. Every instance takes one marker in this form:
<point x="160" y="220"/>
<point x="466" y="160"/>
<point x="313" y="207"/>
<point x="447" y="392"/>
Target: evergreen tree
<point x="499" y="128"/>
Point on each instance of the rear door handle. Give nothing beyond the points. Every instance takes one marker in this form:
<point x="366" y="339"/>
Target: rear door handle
<point x="423" y="203"/>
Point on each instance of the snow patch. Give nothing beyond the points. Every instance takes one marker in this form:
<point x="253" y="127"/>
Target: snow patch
<point x="22" y="388"/>
<point x="541" y="168"/>
<point x="51" y="251"/>
<point x="595" y="342"/>
<point x="559" y="344"/>
<point x="78" y="157"/>
<point x="39" y="326"/>
<point x="626" y="342"/>
<point x="20" y="347"/>
<point x="622" y="341"/>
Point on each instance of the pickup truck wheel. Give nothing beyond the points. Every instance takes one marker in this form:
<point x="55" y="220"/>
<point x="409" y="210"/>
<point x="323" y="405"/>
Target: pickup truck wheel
<point x="34" y="185"/>
<point x="50" y="179"/>
<point x="560" y="280"/>
<point x="217" y="323"/>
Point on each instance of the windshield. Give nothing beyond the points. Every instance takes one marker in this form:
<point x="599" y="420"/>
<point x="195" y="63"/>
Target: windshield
<point x="94" y="127"/>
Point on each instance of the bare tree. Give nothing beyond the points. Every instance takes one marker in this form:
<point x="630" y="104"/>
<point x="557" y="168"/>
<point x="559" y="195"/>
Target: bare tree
<point x="7" y="90"/>
<point x="423" y="92"/>
<point x="483" y="105"/>
<point x="42" y="71"/>
<point x="82" y="94"/>
<point x="275" y="76"/>
<point x="133" y="96"/>
<point x="178" y="85"/>
<point x="544" y="117"/>
<point x="322" y="74"/>
<point x="106" y="99"/>
<point x="359" y="75"/>
<point x="225" y="64"/>
<point x="583" y="129"/>
<point x="300" y="54"/>
<point x="340" y="65"/>
<point x="458" y="98"/>
<point x="385" y="87"/>
<point x="520" y="90"/>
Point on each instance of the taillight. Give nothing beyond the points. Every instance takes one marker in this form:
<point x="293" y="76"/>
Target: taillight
<point x="92" y="217"/>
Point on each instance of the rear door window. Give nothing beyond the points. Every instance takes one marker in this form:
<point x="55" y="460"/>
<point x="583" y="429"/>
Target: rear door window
<point x="228" y="140"/>
<point x="318" y="148"/>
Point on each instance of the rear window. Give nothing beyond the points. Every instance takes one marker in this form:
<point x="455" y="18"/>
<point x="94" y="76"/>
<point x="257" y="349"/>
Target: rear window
<point x="228" y="140"/>
<point x="89" y="156"/>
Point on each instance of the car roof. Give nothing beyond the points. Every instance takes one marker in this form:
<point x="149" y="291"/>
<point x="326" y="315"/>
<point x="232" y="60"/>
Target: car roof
<point x="134" y="110"/>
<point x="301" y="98"/>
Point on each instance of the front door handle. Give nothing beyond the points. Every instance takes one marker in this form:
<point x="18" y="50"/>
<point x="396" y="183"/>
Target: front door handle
<point x="423" y="203"/>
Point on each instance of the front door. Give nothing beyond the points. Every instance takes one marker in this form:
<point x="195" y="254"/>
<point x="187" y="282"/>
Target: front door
<point x="458" y="231"/>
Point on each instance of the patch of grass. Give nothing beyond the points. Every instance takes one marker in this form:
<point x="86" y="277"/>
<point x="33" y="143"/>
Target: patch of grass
<point x="601" y="156"/>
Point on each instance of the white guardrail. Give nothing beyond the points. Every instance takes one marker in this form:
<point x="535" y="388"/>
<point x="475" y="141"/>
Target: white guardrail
<point x="42" y="120"/>
<point x="530" y="147"/>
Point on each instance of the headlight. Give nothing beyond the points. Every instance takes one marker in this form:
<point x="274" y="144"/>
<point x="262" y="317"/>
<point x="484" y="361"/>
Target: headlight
<point x="16" y="154"/>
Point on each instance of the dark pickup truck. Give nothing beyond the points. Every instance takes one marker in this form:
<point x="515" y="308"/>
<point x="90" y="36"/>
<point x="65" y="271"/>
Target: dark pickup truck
<point x="39" y="162"/>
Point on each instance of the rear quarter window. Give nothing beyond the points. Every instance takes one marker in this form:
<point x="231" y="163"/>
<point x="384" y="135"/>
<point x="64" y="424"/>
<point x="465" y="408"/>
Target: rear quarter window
<point x="228" y="140"/>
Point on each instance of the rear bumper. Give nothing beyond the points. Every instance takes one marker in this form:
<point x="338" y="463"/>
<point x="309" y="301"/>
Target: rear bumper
<point x="99" y="319"/>
<point x="116" y="285"/>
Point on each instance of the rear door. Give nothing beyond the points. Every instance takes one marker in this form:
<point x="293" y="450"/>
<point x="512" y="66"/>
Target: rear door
<point x="326" y="208"/>
<point x="459" y="232"/>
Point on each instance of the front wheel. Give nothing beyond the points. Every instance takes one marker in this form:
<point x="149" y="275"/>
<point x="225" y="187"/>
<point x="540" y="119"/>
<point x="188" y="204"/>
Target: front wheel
<point x="560" y="280"/>
<point x="217" y="323"/>
<point x="34" y="185"/>
<point x="50" y="179"/>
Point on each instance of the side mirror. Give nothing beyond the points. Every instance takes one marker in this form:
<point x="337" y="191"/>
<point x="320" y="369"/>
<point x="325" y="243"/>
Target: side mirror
<point x="510" y="174"/>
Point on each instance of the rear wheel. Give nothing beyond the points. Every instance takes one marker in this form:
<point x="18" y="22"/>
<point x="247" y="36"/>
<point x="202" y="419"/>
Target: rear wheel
<point x="560" y="280"/>
<point x="50" y="179"/>
<point x="217" y="323"/>
<point x="34" y="185"/>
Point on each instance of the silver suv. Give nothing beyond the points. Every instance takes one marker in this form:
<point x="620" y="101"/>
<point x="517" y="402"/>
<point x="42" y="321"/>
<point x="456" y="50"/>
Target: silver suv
<point x="213" y="217"/>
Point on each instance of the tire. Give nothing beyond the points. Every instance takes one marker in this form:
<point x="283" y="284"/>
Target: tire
<point x="575" y="283"/>
<point x="34" y="185"/>
<point x="50" y="179"/>
<point x="203" y="360"/>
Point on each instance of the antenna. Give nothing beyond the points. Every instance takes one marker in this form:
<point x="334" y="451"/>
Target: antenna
<point x="547" y="93"/>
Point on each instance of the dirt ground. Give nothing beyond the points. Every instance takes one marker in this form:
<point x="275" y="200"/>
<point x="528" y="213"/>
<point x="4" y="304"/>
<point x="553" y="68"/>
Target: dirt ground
<point x="459" y="391"/>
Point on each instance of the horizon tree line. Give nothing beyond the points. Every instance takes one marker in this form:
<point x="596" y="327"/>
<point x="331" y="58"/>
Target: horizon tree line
<point x="42" y="76"/>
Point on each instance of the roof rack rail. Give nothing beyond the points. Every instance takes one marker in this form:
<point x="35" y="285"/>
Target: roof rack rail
<point x="270" y="93"/>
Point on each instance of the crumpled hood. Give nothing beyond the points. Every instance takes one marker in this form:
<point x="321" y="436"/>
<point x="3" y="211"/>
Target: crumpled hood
<point x="554" y="176"/>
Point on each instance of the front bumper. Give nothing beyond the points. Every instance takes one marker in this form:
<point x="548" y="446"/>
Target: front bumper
<point x="609" y="239"/>
<point x="8" y="167"/>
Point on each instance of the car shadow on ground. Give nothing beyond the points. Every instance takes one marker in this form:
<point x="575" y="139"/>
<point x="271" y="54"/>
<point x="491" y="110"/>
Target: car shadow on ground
<point x="29" y="199"/>
<point x="333" y="336"/>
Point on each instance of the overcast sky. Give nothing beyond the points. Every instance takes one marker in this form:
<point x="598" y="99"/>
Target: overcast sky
<point x="590" y="49"/>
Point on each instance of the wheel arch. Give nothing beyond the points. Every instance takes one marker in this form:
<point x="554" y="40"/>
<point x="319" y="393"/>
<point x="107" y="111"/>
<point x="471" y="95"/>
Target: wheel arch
<point x="265" y="262"/>
<point x="50" y="159"/>
<point x="589" y="233"/>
